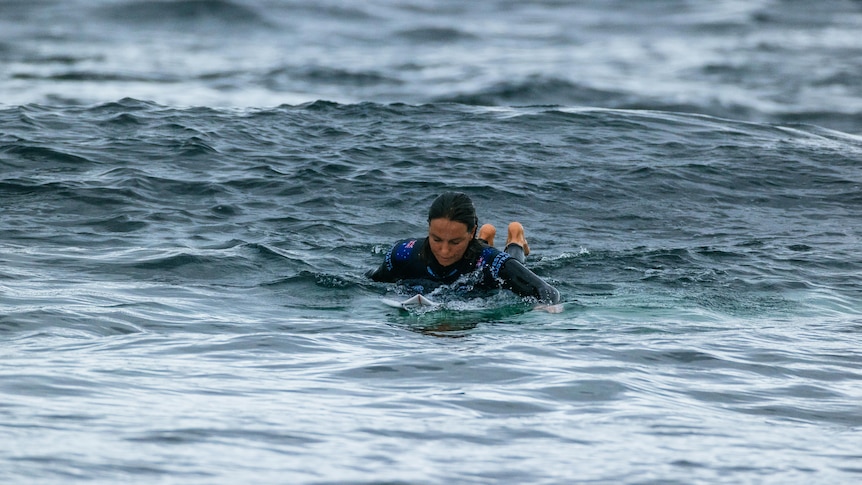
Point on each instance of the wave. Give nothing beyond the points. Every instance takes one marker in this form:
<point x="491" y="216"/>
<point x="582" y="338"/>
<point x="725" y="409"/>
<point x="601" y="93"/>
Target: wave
<point x="320" y="185"/>
<point x="285" y="78"/>
<point x="435" y="35"/>
<point x="538" y="90"/>
<point x="26" y="155"/>
<point x="223" y="15"/>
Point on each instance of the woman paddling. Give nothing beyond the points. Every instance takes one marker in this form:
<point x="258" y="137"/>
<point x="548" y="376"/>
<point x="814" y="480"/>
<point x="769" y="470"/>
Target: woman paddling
<point x="452" y="250"/>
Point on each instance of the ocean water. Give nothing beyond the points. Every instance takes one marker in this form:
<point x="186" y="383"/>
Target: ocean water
<point x="193" y="190"/>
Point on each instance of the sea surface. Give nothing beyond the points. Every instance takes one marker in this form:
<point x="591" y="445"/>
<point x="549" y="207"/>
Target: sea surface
<point x="191" y="192"/>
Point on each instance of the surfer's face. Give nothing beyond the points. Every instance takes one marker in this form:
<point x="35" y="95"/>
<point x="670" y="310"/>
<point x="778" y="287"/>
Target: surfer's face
<point x="448" y="240"/>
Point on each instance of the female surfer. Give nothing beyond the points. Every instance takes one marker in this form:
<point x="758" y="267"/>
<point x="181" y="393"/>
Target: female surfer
<point x="452" y="250"/>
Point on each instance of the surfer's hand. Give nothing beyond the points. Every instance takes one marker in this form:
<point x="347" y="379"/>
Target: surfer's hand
<point x="558" y="308"/>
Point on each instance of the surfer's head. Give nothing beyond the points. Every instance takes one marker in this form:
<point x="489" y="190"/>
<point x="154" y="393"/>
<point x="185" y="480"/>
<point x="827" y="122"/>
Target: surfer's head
<point x="455" y="206"/>
<point x="452" y="225"/>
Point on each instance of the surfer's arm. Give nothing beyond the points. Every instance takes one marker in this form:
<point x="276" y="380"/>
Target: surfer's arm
<point x="390" y="270"/>
<point x="524" y="282"/>
<point x="382" y="274"/>
<point x="396" y="265"/>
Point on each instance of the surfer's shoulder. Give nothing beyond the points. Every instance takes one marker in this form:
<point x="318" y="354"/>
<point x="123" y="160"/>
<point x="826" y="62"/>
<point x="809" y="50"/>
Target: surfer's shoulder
<point x="404" y="249"/>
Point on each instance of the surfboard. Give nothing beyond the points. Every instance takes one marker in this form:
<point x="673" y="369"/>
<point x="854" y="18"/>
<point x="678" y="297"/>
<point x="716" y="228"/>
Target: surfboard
<point x="411" y="303"/>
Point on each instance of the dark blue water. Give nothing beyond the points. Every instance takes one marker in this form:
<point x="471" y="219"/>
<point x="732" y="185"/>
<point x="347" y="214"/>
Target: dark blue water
<point x="192" y="191"/>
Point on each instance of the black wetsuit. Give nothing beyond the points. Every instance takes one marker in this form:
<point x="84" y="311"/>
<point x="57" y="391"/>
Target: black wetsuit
<point x="412" y="259"/>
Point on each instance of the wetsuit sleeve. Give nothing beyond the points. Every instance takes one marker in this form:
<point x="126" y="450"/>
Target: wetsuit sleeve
<point x="381" y="274"/>
<point x="386" y="272"/>
<point x="391" y="270"/>
<point x="524" y="282"/>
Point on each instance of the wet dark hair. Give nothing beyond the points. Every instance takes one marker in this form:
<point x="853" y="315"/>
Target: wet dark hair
<point x="455" y="206"/>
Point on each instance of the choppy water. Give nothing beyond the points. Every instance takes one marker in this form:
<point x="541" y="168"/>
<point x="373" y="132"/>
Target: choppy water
<point x="192" y="190"/>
